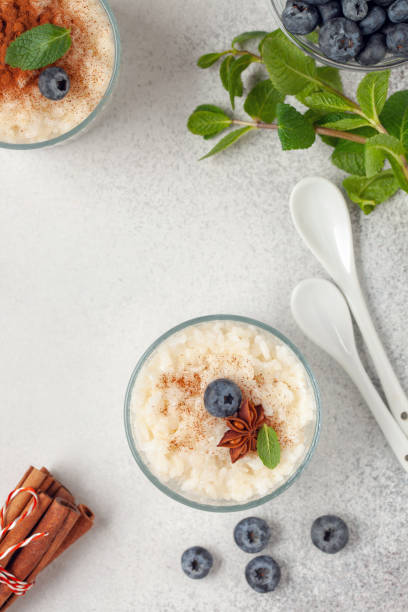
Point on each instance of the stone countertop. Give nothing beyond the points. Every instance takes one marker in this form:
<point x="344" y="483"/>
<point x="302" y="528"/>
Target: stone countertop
<point x="108" y="241"/>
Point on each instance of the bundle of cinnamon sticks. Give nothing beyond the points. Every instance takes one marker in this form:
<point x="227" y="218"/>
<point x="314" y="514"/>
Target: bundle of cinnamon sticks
<point x="56" y="514"/>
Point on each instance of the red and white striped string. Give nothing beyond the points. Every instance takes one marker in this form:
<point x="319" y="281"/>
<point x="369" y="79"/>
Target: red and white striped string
<point x="18" y="587"/>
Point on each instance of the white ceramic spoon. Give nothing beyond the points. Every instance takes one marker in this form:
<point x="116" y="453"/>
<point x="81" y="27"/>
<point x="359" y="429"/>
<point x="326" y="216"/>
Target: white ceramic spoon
<point x="321" y="312"/>
<point x="321" y="217"/>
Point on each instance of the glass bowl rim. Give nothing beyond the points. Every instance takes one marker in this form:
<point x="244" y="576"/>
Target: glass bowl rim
<point x="177" y="496"/>
<point x="78" y="128"/>
<point x="312" y="51"/>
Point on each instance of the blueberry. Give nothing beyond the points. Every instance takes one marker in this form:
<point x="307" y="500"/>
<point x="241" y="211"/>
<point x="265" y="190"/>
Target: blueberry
<point x="340" y="39"/>
<point x="196" y="562"/>
<point x="398" y="11"/>
<point x="54" y="83"/>
<point x="222" y="398"/>
<point x="300" y="17"/>
<point x="330" y="10"/>
<point x="355" y="10"/>
<point x="397" y="39"/>
<point x="375" y="19"/>
<point x="263" y="574"/>
<point x="383" y="2"/>
<point x="374" y="51"/>
<point x="329" y="533"/>
<point x="252" y="534"/>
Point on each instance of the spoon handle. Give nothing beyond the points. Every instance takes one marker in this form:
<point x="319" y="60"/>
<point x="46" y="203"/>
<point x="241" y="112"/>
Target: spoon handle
<point x="392" y="432"/>
<point x="397" y="400"/>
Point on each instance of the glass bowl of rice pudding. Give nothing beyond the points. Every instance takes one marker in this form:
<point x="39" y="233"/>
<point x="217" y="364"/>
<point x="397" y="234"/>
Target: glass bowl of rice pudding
<point x="28" y="120"/>
<point x="174" y="439"/>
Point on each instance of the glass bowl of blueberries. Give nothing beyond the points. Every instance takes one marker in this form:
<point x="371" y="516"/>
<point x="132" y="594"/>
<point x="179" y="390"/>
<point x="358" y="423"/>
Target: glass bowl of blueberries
<point x="354" y="34"/>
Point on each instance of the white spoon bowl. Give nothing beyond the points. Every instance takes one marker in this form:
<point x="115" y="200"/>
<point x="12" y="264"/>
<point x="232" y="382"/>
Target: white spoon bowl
<point x="321" y="312"/>
<point x="321" y="217"/>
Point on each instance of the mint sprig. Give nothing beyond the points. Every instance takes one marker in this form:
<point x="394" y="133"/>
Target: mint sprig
<point x="366" y="134"/>
<point x="38" y="47"/>
<point x="268" y="447"/>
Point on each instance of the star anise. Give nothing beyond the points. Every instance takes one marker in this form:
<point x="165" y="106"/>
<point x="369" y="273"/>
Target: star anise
<point x="242" y="435"/>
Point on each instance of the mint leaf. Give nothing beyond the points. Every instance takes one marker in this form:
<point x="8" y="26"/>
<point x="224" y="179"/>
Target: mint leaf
<point x="393" y="112"/>
<point x="367" y="192"/>
<point x="227" y="141"/>
<point x="326" y="76"/>
<point x="404" y="131"/>
<point x="374" y="161"/>
<point x="372" y="93"/>
<point x="230" y="73"/>
<point x="268" y="447"/>
<point x="330" y="76"/>
<point x="349" y="156"/>
<point x="210" y="108"/>
<point x="241" y="38"/>
<point x="343" y="121"/>
<point x="38" y="47"/>
<point x="224" y="71"/>
<point x="295" y="131"/>
<point x="262" y="100"/>
<point x="392" y="149"/>
<point x="290" y="70"/>
<point x="208" y="123"/>
<point x="207" y="60"/>
<point x="326" y="101"/>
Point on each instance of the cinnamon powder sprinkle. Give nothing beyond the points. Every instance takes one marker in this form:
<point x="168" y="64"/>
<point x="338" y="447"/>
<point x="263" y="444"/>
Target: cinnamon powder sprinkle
<point x="200" y="421"/>
<point x="18" y="16"/>
<point x="259" y="379"/>
<point x="191" y="385"/>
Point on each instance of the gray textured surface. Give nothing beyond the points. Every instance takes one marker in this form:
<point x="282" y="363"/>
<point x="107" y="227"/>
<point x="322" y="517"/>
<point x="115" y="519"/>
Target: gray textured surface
<point x="109" y="241"/>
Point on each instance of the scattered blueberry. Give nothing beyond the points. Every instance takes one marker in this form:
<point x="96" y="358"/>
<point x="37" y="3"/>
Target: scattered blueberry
<point x="355" y="10"/>
<point x="398" y="11"/>
<point x="263" y="574"/>
<point x="252" y="534"/>
<point x="196" y="562"/>
<point x="340" y="39"/>
<point x="374" y="21"/>
<point x="397" y="39"/>
<point x="374" y="51"/>
<point x="300" y="17"/>
<point x="329" y="533"/>
<point x="54" y="83"/>
<point x="222" y="398"/>
<point x="330" y="10"/>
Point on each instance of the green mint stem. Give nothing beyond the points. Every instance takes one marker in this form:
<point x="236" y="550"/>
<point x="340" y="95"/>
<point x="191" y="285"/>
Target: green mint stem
<point x="256" y="58"/>
<point x="318" y="129"/>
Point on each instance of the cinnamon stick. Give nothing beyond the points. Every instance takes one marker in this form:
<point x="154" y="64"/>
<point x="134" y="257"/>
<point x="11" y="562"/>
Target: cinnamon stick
<point x="27" y="559"/>
<point x="69" y="522"/>
<point x="84" y="524"/>
<point x="55" y="514"/>
<point x="32" y="478"/>
<point x="23" y="529"/>
<point x="63" y="493"/>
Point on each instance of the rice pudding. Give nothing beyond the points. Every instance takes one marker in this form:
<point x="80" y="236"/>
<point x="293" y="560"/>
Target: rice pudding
<point x="178" y="438"/>
<point x="26" y="116"/>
